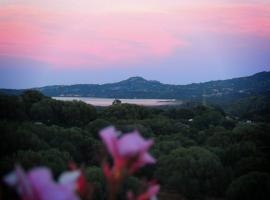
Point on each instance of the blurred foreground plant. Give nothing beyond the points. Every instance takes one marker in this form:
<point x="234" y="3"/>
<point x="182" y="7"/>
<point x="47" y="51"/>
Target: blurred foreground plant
<point x="38" y="184"/>
<point x="129" y="153"/>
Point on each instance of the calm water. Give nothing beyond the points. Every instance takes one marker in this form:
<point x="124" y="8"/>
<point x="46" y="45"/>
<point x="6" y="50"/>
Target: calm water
<point x="109" y="101"/>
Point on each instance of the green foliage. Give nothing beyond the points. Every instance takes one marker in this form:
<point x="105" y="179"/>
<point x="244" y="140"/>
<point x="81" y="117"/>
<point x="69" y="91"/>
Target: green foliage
<point x="47" y="111"/>
<point x="193" y="171"/>
<point x="73" y="113"/>
<point x="53" y="158"/>
<point x="132" y="184"/>
<point x="29" y="97"/>
<point x="161" y="125"/>
<point x="254" y="185"/>
<point x="206" y="119"/>
<point x="14" y="138"/>
<point x="95" y="176"/>
<point x="78" y="113"/>
<point x="201" y="151"/>
<point x="126" y="111"/>
<point x="95" y="126"/>
<point x="252" y="108"/>
<point x="12" y="108"/>
<point x="179" y="113"/>
<point x="221" y="139"/>
<point x="165" y="144"/>
<point x="32" y="96"/>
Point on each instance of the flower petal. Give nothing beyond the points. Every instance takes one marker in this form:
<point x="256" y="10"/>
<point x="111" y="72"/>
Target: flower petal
<point x="150" y="193"/>
<point x="109" y="137"/>
<point x="40" y="176"/>
<point x="132" y="144"/>
<point x="146" y="158"/>
<point x="153" y="190"/>
<point x="24" y="186"/>
<point x="69" y="178"/>
<point x="57" y="192"/>
<point x="46" y="189"/>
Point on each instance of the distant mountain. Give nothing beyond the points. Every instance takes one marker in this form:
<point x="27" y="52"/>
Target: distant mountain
<point x="138" y="87"/>
<point x="11" y="91"/>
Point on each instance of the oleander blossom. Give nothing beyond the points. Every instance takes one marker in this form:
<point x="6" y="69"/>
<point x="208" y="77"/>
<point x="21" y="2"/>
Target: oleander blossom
<point x="129" y="151"/>
<point x="38" y="184"/>
<point x="150" y="193"/>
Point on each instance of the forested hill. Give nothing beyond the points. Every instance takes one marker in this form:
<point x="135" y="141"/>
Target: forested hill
<point x="138" y="87"/>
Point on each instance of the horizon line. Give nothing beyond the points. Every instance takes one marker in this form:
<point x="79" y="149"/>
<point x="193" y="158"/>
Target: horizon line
<point x="136" y="76"/>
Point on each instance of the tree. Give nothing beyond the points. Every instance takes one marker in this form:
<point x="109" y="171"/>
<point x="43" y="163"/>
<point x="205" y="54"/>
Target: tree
<point x="29" y="97"/>
<point x="161" y="125"/>
<point x="74" y="113"/>
<point x="78" y="113"/>
<point x="12" y="108"/>
<point x="180" y="113"/>
<point x="46" y="111"/>
<point x="52" y="158"/>
<point x="194" y="172"/>
<point x="254" y="185"/>
<point x="208" y="118"/>
<point x="95" y="126"/>
<point x="125" y="111"/>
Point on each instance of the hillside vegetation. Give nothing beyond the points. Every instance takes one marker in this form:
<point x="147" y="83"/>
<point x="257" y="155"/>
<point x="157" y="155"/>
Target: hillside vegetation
<point x="202" y="151"/>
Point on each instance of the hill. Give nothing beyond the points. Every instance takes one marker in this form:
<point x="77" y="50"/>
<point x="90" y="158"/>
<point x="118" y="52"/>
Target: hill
<point x="137" y="87"/>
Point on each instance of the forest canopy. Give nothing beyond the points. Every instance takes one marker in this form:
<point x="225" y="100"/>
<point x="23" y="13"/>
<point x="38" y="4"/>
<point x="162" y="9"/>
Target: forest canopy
<point x="201" y="151"/>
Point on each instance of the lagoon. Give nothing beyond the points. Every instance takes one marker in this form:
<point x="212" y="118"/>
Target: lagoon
<point x="108" y="101"/>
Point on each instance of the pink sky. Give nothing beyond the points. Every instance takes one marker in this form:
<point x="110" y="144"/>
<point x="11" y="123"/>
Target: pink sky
<point x="102" y="34"/>
<point x="96" y="33"/>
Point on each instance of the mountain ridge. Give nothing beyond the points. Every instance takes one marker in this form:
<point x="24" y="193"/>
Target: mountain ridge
<point x="139" y="87"/>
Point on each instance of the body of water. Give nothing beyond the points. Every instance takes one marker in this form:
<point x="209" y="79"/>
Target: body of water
<point x="109" y="101"/>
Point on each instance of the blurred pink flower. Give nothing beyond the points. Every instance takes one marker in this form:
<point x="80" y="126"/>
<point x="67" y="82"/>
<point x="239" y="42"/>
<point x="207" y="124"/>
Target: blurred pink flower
<point x="129" y="151"/>
<point x="38" y="184"/>
<point x="149" y="194"/>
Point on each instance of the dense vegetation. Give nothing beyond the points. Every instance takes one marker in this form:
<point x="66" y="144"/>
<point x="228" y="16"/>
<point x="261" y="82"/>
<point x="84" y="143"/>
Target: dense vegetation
<point x="202" y="152"/>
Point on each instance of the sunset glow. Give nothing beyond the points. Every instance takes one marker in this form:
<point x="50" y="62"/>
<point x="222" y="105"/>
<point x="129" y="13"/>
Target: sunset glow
<point x="123" y="34"/>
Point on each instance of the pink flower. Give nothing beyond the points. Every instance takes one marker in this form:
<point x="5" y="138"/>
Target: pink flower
<point x="129" y="151"/>
<point x="150" y="193"/>
<point x="38" y="184"/>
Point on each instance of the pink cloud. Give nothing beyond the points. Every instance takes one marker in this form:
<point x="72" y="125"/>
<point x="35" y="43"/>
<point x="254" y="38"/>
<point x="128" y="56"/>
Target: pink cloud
<point x="253" y="20"/>
<point x="103" y="39"/>
<point x="64" y="39"/>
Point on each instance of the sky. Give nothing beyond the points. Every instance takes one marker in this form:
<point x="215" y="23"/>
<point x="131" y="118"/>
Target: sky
<point x="99" y="41"/>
